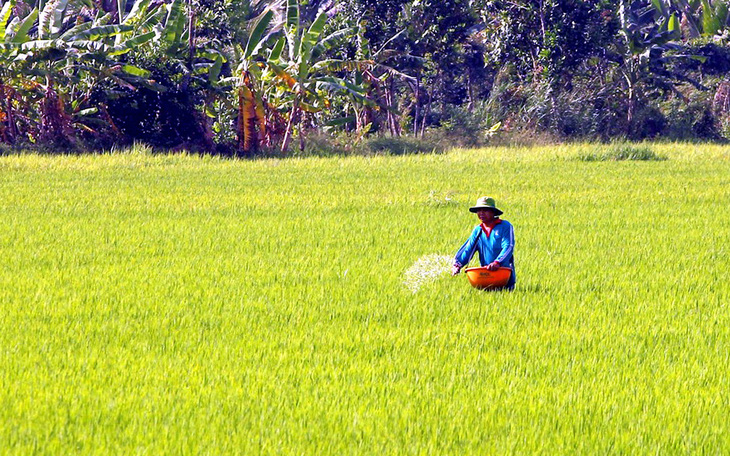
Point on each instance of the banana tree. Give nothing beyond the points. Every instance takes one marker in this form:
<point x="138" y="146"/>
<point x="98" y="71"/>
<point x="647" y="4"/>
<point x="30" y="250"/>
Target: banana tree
<point x="306" y="75"/>
<point x="283" y="76"/>
<point x="12" y="30"/>
<point x="378" y="81"/>
<point x="650" y="35"/>
<point x="700" y="17"/>
<point x="246" y="86"/>
<point x="254" y="126"/>
<point x="56" y="54"/>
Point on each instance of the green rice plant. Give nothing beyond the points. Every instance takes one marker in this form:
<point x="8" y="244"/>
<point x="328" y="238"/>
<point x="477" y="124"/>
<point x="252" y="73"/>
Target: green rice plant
<point x="179" y="304"/>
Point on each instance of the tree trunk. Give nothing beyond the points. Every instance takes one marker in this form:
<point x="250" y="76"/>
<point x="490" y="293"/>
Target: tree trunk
<point x="721" y="100"/>
<point x="631" y="88"/>
<point x="6" y="130"/>
<point x="427" y="111"/>
<point x="542" y="24"/>
<point x="632" y="104"/>
<point x="392" y="118"/>
<point x="358" y="119"/>
<point x="191" y="34"/>
<point x="105" y="114"/>
<point x="53" y="119"/>
<point x="290" y="126"/>
<point x="417" y="95"/>
<point x="185" y="83"/>
<point x="301" y="132"/>
<point x="470" y="92"/>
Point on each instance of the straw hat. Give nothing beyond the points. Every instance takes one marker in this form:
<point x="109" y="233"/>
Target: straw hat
<point x="486" y="202"/>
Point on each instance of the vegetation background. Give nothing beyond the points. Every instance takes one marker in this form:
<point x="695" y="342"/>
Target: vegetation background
<point x="253" y="77"/>
<point x="181" y="303"/>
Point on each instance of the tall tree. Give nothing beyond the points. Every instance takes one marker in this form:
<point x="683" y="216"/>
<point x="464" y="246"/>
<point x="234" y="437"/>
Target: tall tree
<point x="548" y="38"/>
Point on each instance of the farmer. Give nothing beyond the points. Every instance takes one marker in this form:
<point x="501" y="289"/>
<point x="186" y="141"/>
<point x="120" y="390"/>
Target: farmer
<point x="493" y="238"/>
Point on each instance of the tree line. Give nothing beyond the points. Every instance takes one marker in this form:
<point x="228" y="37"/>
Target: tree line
<point x="247" y="76"/>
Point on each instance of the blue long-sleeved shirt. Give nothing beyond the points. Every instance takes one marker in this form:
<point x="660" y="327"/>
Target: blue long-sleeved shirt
<point x="499" y="246"/>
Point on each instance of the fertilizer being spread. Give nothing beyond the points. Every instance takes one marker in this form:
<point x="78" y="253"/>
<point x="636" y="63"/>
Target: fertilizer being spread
<point x="426" y="270"/>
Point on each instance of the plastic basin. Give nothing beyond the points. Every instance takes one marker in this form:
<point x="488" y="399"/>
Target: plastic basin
<point x="484" y="279"/>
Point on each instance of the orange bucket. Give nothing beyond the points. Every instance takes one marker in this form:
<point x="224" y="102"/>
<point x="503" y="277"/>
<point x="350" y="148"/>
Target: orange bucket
<point x="484" y="279"/>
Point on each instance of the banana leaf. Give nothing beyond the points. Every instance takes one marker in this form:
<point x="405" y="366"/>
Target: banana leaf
<point x="283" y="75"/>
<point x="5" y="13"/>
<point x="310" y="39"/>
<point x="131" y="44"/>
<point x="255" y="39"/>
<point x="340" y="121"/>
<point x="59" y="13"/>
<point x="174" y="23"/>
<point x="331" y="41"/>
<point x="215" y="70"/>
<point x="87" y="112"/>
<point x="137" y="12"/>
<point x="21" y="36"/>
<point x="70" y="33"/>
<point x="104" y="31"/>
<point x="36" y="45"/>
<point x="136" y="71"/>
<point x="89" y="45"/>
<point x="275" y="54"/>
<point x="291" y="30"/>
<point x="336" y="65"/>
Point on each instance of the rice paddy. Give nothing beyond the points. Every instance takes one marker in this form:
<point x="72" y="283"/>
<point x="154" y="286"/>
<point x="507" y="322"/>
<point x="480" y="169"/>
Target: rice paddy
<point x="174" y="304"/>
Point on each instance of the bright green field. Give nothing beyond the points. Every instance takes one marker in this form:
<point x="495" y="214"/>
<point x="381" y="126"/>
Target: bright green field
<point x="184" y="305"/>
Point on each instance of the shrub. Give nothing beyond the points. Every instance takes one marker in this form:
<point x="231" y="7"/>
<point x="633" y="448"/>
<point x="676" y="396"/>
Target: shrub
<point x="166" y="119"/>
<point x="325" y="145"/>
<point x="621" y="152"/>
<point x="693" y="119"/>
<point x="402" y="145"/>
<point x="468" y="127"/>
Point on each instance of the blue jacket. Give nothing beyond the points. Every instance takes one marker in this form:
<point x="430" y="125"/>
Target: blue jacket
<point x="499" y="246"/>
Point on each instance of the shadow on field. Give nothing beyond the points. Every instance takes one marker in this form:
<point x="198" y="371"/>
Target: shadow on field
<point x="315" y="146"/>
<point x="532" y="288"/>
<point x="347" y="145"/>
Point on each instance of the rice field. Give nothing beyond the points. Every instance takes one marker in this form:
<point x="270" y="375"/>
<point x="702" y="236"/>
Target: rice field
<point x="175" y="304"/>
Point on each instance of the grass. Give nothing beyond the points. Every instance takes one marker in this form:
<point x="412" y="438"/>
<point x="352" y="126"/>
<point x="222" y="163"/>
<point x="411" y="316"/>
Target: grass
<point x="619" y="152"/>
<point x="185" y="305"/>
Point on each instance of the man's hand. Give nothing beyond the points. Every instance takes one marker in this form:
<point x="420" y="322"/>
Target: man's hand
<point x="455" y="269"/>
<point x="493" y="266"/>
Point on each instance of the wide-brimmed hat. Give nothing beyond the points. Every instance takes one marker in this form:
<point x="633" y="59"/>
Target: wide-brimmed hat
<point x="486" y="202"/>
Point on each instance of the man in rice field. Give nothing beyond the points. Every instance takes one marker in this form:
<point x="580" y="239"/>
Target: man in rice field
<point x="493" y="238"/>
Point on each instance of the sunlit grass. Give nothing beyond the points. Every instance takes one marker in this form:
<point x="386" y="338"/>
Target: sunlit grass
<point x="185" y="305"/>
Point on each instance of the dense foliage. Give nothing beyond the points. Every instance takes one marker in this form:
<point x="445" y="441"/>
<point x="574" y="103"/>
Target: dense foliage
<point x="242" y="77"/>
